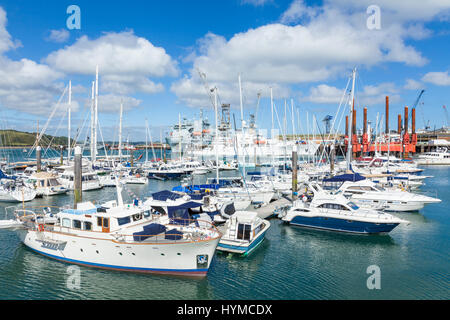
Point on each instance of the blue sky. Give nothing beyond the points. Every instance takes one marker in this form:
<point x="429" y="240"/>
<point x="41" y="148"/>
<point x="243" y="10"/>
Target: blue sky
<point x="149" y="52"/>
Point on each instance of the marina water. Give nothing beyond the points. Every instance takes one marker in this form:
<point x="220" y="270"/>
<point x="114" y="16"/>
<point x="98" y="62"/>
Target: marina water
<point x="292" y="263"/>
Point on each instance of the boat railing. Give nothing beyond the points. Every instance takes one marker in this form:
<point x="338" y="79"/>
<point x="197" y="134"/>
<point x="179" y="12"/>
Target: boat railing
<point x="181" y="230"/>
<point x="364" y="213"/>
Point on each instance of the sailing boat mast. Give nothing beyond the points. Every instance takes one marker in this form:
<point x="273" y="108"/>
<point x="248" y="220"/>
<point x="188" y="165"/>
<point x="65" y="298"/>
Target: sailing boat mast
<point x="242" y="125"/>
<point x="68" y="127"/>
<point x="95" y="114"/>
<point x="92" y="120"/>
<point x="352" y="105"/>
<point x="120" y="131"/>
<point x="217" y="135"/>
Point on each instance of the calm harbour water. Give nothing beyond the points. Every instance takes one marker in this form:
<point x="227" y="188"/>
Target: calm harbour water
<point x="292" y="263"/>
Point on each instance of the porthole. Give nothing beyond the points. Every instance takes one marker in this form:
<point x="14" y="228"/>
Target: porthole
<point x="162" y="254"/>
<point x="81" y="250"/>
<point x="120" y="253"/>
<point x="133" y="253"/>
<point x="96" y="251"/>
<point x="179" y="254"/>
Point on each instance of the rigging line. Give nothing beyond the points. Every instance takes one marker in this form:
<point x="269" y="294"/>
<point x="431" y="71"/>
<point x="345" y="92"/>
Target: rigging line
<point x="48" y="121"/>
<point x="56" y="132"/>
<point x="80" y="130"/>
<point x="336" y="115"/>
<point x="101" y="134"/>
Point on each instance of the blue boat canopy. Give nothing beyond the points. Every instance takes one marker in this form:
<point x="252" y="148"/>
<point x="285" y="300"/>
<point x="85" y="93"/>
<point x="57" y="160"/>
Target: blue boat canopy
<point x="346" y="177"/>
<point x="180" y="214"/>
<point x="4" y="176"/>
<point x="166" y="194"/>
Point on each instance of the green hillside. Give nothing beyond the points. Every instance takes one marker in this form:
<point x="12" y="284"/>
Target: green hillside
<point x="14" y="138"/>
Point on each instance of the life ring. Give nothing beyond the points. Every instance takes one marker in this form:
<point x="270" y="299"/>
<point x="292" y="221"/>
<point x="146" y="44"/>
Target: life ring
<point x="41" y="227"/>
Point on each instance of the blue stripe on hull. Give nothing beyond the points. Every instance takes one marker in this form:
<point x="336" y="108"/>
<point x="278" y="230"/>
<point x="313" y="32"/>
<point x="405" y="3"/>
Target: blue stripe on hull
<point x="342" y="225"/>
<point x="244" y="250"/>
<point x="197" y="272"/>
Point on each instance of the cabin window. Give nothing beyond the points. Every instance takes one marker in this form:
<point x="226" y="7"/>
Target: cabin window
<point x="76" y="224"/>
<point x="146" y="214"/>
<point x="124" y="220"/>
<point x="87" y="225"/>
<point x="244" y="231"/>
<point x="105" y="223"/>
<point x="137" y="217"/>
<point x="99" y="221"/>
<point x="66" y="222"/>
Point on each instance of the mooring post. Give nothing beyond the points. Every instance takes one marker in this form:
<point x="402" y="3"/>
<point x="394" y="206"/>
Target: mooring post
<point x="132" y="157"/>
<point x="38" y="159"/>
<point x="77" y="170"/>
<point x="294" y="172"/>
<point x="332" y="157"/>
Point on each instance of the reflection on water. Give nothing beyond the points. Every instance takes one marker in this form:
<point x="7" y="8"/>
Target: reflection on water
<point x="291" y="263"/>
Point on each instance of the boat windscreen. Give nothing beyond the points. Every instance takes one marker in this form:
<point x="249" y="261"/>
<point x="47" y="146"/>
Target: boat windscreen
<point x="353" y="205"/>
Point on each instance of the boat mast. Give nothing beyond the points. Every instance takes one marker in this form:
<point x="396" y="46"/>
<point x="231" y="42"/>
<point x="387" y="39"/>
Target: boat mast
<point x="95" y="115"/>
<point x="217" y="135"/>
<point x="242" y="124"/>
<point x="146" y="140"/>
<point x="92" y="120"/>
<point x="68" y="127"/>
<point x="271" y="107"/>
<point x="120" y="131"/>
<point x="351" y="103"/>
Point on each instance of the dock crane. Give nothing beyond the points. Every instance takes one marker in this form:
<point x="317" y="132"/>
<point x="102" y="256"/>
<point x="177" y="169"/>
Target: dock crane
<point x="426" y="124"/>
<point x="205" y="83"/>
<point x="327" y="121"/>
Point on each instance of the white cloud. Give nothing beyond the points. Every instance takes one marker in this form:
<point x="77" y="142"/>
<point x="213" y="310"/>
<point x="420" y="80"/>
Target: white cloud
<point x="110" y="103"/>
<point x="298" y="10"/>
<point x="437" y="78"/>
<point x="115" y="53"/>
<point x="369" y="95"/>
<point x="325" y="94"/>
<point x="58" y="36"/>
<point x="25" y="85"/>
<point x="6" y="42"/>
<point x="331" y="41"/>
<point x="412" y="84"/>
<point x="126" y="62"/>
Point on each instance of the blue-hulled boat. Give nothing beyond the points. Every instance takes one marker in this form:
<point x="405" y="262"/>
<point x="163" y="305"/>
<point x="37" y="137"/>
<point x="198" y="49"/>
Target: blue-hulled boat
<point x="336" y="213"/>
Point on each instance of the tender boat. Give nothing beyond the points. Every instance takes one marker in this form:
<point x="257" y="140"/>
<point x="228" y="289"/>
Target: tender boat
<point x="336" y="213"/>
<point x="243" y="232"/>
